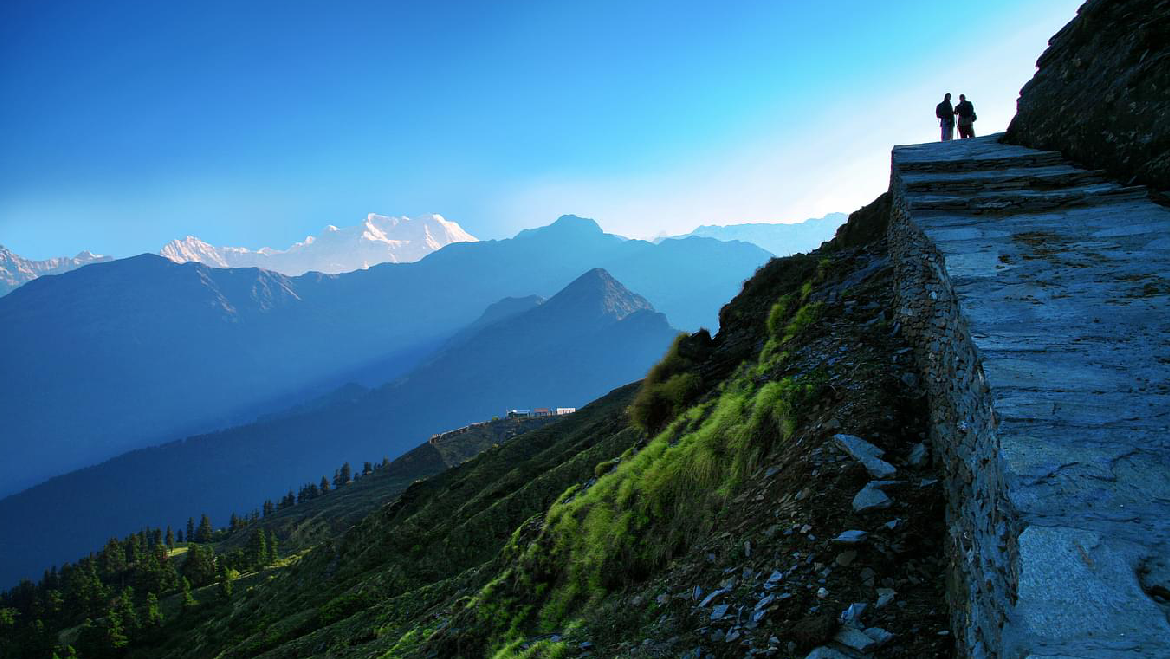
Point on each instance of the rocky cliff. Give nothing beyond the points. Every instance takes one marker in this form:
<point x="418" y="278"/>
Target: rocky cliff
<point x="1101" y="95"/>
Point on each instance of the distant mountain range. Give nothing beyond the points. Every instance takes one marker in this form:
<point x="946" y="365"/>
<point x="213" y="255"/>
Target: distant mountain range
<point x="779" y="239"/>
<point x="590" y="337"/>
<point x="379" y="239"/>
<point x="16" y="270"/>
<point x="130" y="353"/>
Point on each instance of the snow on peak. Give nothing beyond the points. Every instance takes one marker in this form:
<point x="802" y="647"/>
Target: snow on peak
<point x="16" y="270"/>
<point x="378" y="239"/>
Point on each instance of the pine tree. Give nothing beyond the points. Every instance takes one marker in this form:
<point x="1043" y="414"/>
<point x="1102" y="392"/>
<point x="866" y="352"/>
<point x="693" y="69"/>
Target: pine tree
<point x="148" y="573"/>
<point x="367" y="469"/>
<point x="225" y="582"/>
<point x="126" y="611"/>
<point x="234" y="524"/>
<point x="120" y="623"/>
<point x="269" y="507"/>
<point x="179" y="537"/>
<point x="84" y="590"/>
<point x="324" y="485"/>
<point x="205" y="532"/>
<point x="113" y="559"/>
<point x="343" y="476"/>
<point x="171" y="538"/>
<point x="133" y="548"/>
<point x="273" y="547"/>
<point x="189" y="602"/>
<point x="154" y="616"/>
<point x="385" y="462"/>
<point x="190" y="529"/>
<point x="258" y="549"/>
<point x="200" y="564"/>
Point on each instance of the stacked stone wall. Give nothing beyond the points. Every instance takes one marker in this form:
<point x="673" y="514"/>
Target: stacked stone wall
<point x="963" y="436"/>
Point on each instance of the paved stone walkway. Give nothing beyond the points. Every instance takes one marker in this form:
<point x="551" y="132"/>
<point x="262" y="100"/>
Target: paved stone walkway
<point x="1063" y="279"/>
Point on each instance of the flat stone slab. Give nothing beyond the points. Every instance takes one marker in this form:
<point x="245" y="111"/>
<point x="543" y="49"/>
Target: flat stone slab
<point x="1063" y="281"/>
<point x="867" y="454"/>
<point x="1084" y="596"/>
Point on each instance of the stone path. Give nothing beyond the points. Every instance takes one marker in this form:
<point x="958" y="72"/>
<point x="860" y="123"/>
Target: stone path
<point x="1063" y="279"/>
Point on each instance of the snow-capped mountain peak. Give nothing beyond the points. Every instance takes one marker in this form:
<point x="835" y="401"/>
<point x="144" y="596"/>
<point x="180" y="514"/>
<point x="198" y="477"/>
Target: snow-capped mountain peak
<point x="16" y="270"/>
<point x="377" y="239"/>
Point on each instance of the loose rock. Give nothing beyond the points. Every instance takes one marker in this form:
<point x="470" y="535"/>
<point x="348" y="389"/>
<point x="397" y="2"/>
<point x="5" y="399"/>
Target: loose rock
<point x="870" y="498"/>
<point x="851" y="537"/>
<point x="867" y="454"/>
<point x="856" y="639"/>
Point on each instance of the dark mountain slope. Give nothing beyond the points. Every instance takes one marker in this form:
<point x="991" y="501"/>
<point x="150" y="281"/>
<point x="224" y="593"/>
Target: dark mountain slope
<point x="502" y="310"/>
<point x="330" y="515"/>
<point x="588" y="338"/>
<point x="125" y="345"/>
<point x="133" y="352"/>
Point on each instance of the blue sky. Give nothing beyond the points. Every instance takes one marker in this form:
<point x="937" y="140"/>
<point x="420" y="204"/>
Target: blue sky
<point x="127" y="124"/>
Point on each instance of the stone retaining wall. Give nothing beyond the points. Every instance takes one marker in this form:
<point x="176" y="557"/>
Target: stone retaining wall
<point x="963" y="435"/>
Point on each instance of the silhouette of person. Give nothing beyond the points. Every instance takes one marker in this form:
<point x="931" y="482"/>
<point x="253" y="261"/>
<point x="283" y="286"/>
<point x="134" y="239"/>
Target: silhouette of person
<point x="946" y="118"/>
<point x="967" y="117"/>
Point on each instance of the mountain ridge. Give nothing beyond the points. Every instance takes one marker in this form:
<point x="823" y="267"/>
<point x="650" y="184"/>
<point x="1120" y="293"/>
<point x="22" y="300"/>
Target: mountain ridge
<point x="378" y="239"/>
<point x="16" y="270"/>
<point x="779" y="238"/>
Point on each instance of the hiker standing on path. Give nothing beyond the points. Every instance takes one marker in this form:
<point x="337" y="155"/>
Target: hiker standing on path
<point x="967" y="117"/>
<point x="946" y="118"/>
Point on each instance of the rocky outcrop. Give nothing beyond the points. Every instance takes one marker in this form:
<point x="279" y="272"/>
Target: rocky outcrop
<point x="1101" y="95"/>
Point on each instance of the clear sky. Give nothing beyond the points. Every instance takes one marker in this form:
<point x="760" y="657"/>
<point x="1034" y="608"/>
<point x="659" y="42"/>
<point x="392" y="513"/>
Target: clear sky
<point x="254" y="123"/>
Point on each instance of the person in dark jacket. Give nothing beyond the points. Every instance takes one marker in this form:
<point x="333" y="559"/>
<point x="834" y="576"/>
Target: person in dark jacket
<point x="967" y="117"/>
<point x="946" y="118"/>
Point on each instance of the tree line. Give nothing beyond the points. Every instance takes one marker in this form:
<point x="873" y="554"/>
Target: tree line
<point x="114" y="594"/>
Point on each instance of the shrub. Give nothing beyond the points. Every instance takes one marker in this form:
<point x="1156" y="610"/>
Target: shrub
<point x="779" y="313"/>
<point x="673" y="383"/>
<point x="804" y="316"/>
